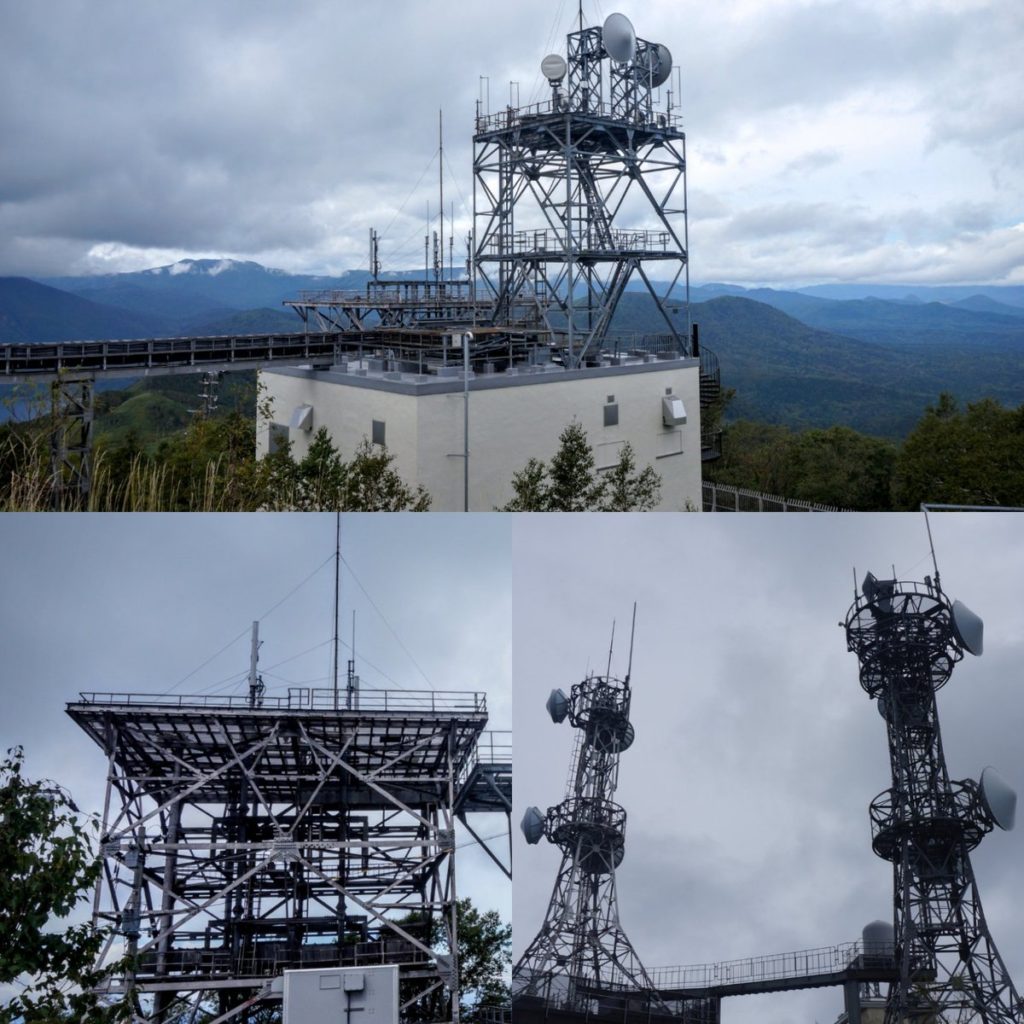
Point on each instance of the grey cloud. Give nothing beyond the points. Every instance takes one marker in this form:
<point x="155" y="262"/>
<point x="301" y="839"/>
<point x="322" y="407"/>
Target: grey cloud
<point x="280" y="134"/>
<point x="813" y="161"/>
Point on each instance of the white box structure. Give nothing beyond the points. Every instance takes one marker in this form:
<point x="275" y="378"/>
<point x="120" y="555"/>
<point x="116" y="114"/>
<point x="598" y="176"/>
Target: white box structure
<point x="513" y="415"/>
<point x="346" y="995"/>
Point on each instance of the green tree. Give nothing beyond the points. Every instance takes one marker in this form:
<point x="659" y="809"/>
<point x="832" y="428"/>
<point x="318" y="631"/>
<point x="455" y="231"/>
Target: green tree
<point x="970" y="457"/>
<point x="835" y="466"/>
<point x="574" y="486"/>
<point x="627" y="490"/>
<point x="841" y="467"/>
<point x="571" y="483"/>
<point x="531" y="488"/>
<point x="485" y="954"/>
<point x="47" y="864"/>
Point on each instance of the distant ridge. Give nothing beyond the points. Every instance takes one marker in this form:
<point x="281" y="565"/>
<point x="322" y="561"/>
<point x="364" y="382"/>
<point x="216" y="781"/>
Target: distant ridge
<point x="33" y="312"/>
<point x="798" y="357"/>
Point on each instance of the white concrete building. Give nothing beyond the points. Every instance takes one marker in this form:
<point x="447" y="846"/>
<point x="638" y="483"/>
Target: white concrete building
<point x="652" y="402"/>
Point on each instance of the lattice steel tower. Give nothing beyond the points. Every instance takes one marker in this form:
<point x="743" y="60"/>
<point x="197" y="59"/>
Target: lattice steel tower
<point x="575" y="196"/>
<point x="243" y="836"/>
<point x="908" y="637"/>
<point x="581" y="954"/>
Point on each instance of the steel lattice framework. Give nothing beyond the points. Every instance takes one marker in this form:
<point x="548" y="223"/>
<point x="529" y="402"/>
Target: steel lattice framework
<point x="575" y="196"/>
<point x="906" y="639"/>
<point x="581" y="959"/>
<point x="71" y="439"/>
<point x="242" y="838"/>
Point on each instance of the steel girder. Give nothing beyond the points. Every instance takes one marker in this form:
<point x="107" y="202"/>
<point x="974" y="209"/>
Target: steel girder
<point x="71" y="441"/>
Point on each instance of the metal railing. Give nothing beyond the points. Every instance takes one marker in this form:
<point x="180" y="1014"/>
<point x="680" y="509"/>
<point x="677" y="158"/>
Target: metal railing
<point x="402" y="293"/>
<point x="775" y="967"/>
<point x="167" y="354"/>
<point x="512" y="117"/>
<point x="493" y="748"/>
<point x="304" y="699"/>
<point x="723" y="498"/>
<point x="545" y="240"/>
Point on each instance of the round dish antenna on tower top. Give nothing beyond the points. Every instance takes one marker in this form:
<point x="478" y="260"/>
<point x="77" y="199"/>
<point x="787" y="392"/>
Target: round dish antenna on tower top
<point x="969" y="628"/>
<point x="999" y="797"/>
<point x="619" y="38"/>
<point x="653" y="63"/>
<point x="664" y="66"/>
<point x="553" y="68"/>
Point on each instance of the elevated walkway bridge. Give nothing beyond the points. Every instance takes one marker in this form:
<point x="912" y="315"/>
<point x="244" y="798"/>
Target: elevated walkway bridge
<point x="693" y="994"/>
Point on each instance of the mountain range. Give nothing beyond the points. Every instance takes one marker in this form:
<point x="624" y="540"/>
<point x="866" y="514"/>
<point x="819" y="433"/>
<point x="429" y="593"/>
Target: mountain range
<point x="868" y="356"/>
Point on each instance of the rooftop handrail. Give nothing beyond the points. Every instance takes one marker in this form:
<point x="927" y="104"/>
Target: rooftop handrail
<point x="511" y="116"/>
<point x="304" y="699"/>
<point x="494" y="747"/>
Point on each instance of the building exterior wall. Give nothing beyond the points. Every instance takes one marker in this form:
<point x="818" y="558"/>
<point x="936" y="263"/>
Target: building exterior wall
<point x="511" y="418"/>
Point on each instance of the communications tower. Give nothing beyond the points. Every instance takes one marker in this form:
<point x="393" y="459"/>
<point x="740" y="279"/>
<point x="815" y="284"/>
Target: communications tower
<point x="581" y="957"/>
<point x="907" y="638"/>
<point x="576" y="196"/>
<point x="244" y="836"/>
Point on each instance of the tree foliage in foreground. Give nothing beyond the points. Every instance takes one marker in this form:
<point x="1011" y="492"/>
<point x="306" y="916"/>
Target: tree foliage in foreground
<point x="47" y="864"/>
<point x="836" y="466"/>
<point x="969" y="457"/>
<point x="571" y="482"/>
<point x="210" y="467"/>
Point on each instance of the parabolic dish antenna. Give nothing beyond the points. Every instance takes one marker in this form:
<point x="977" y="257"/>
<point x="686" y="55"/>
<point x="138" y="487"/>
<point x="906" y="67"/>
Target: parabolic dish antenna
<point x="999" y="797"/>
<point x="553" y="68"/>
<point x="969" y="628"/>
<point x="663" y="67"/>
<point x="619" y="38"/>
<point x="532" y="825"/>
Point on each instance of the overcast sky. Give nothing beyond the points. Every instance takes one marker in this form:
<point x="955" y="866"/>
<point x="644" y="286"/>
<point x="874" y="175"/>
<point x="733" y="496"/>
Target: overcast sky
<point x="139" y="603"/>
<point x="855" y="140"/>
<point x="757" y="752"/>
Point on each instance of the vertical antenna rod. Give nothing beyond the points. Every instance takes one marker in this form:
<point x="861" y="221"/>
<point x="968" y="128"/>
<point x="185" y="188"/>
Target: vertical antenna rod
<point x="632" y="633"/>
<point x="337" y="596"/>
<point x="440" y="171"/>
<point x="611" y="645"/>
<point x="254" y="653"/>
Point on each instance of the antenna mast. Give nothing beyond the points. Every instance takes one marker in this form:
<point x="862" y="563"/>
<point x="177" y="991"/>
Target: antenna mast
<point x="255" y="682"/>
<point x="908" y="637"/>
<point x="337" y="597"/>
<point x="440" y="161"/>
<point x="581" y="954"/>
<point x="632" y="634"/>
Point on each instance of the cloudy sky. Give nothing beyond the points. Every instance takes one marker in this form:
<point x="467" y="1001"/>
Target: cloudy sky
<point x="856" y="140"/>
<point x="757" y="751"/>
<point x="159" y="604"/>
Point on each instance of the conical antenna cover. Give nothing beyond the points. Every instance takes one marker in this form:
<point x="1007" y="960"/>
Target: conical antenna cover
<point x="533" y="825"/>
<point x="969" y="629"/>
<point x="557" y="705"/>
<point x="619" y="38"/>
<point x="1000" y="799"/>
